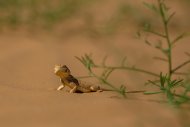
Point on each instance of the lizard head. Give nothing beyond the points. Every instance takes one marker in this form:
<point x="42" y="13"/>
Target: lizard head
<point x="62" y="71"/>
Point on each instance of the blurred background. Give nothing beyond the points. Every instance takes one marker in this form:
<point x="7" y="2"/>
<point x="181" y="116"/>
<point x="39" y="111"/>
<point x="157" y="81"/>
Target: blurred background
<point x="45" y="32"/>
<point x="78" y="17"/>
<point x="37" y="34"/>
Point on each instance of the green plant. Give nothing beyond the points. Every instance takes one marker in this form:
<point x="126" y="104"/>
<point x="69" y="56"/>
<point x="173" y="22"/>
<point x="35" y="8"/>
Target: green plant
<point x="88" y="62"/>
<point x="166" y="83"/>
<point x="44" y="13"/>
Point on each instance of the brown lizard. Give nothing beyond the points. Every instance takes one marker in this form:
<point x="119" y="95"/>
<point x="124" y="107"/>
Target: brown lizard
<point x="76" y="85"/>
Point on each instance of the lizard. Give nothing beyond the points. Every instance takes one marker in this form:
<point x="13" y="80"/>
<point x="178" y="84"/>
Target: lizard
<point x="75" y="85"/>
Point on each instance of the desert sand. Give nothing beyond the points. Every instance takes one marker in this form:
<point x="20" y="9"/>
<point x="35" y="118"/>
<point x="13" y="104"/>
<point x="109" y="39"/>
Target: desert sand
<point x="29" y="99"/>
<point x="27" y="83"/>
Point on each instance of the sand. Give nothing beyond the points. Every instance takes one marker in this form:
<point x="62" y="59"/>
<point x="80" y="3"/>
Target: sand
<point x="28" y="97"/>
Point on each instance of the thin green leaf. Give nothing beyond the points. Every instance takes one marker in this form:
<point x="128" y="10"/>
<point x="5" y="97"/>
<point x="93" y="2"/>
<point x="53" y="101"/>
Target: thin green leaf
<point x="106" y="73"/>
<point x="161" y="9"/>
<point x="171" y="83"/>
<point x="176" y="83"/>
<point x="84" y="61"/>
<point x="122" y="90"/>
<point x="153" y="83"/>
<point x="156" y="33"/>
<point x="162" y="80"/>
<point x="148" y="83"/>
<point x="148" y="43"/>
<point x="81" y="60"/>
<point x="171" y="16"/>
<point x="181" y="36"/>
<point x="151" y="7"/>
<point x="180" y="66"/>
<point x="161" y="59"/>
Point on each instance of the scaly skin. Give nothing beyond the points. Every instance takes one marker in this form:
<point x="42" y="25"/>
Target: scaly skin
<point x="76" y="85"/>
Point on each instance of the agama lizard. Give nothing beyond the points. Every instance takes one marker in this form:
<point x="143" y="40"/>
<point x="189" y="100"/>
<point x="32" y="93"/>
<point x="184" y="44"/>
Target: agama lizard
<point x="76" y="85"/>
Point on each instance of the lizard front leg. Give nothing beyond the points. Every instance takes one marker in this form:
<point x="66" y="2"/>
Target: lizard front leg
<point x="60" y="87"/>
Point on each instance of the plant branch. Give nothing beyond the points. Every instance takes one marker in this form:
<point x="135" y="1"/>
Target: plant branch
<point x="171" y="16"/>
<point x="156" y="33"/>
<point x="102" y="80"/>
<point x="180" y="73"/>
<point x="180" y="66"/>
<point x="181" y="36"/>
<point x="128" y="68"/>
<point x="81" y="77"/>
<point x="165" y="23"/>
<point x="181" y="96"/>
<point x="162" y="59"/>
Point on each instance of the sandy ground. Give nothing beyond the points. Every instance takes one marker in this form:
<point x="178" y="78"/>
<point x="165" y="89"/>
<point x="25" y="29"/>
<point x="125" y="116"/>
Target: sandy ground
<point x="28" y="98"/>
<point x="27" y="84"/>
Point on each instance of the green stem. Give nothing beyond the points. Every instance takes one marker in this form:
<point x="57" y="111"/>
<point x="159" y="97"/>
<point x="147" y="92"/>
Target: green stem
<point x="167" y="36"/>
<point x="169" y="52"/>
<point x="180" y="66"/>
<point x="128" y="68"/>
<point x="104" y="81"/>
<point x="181" y="96"/>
